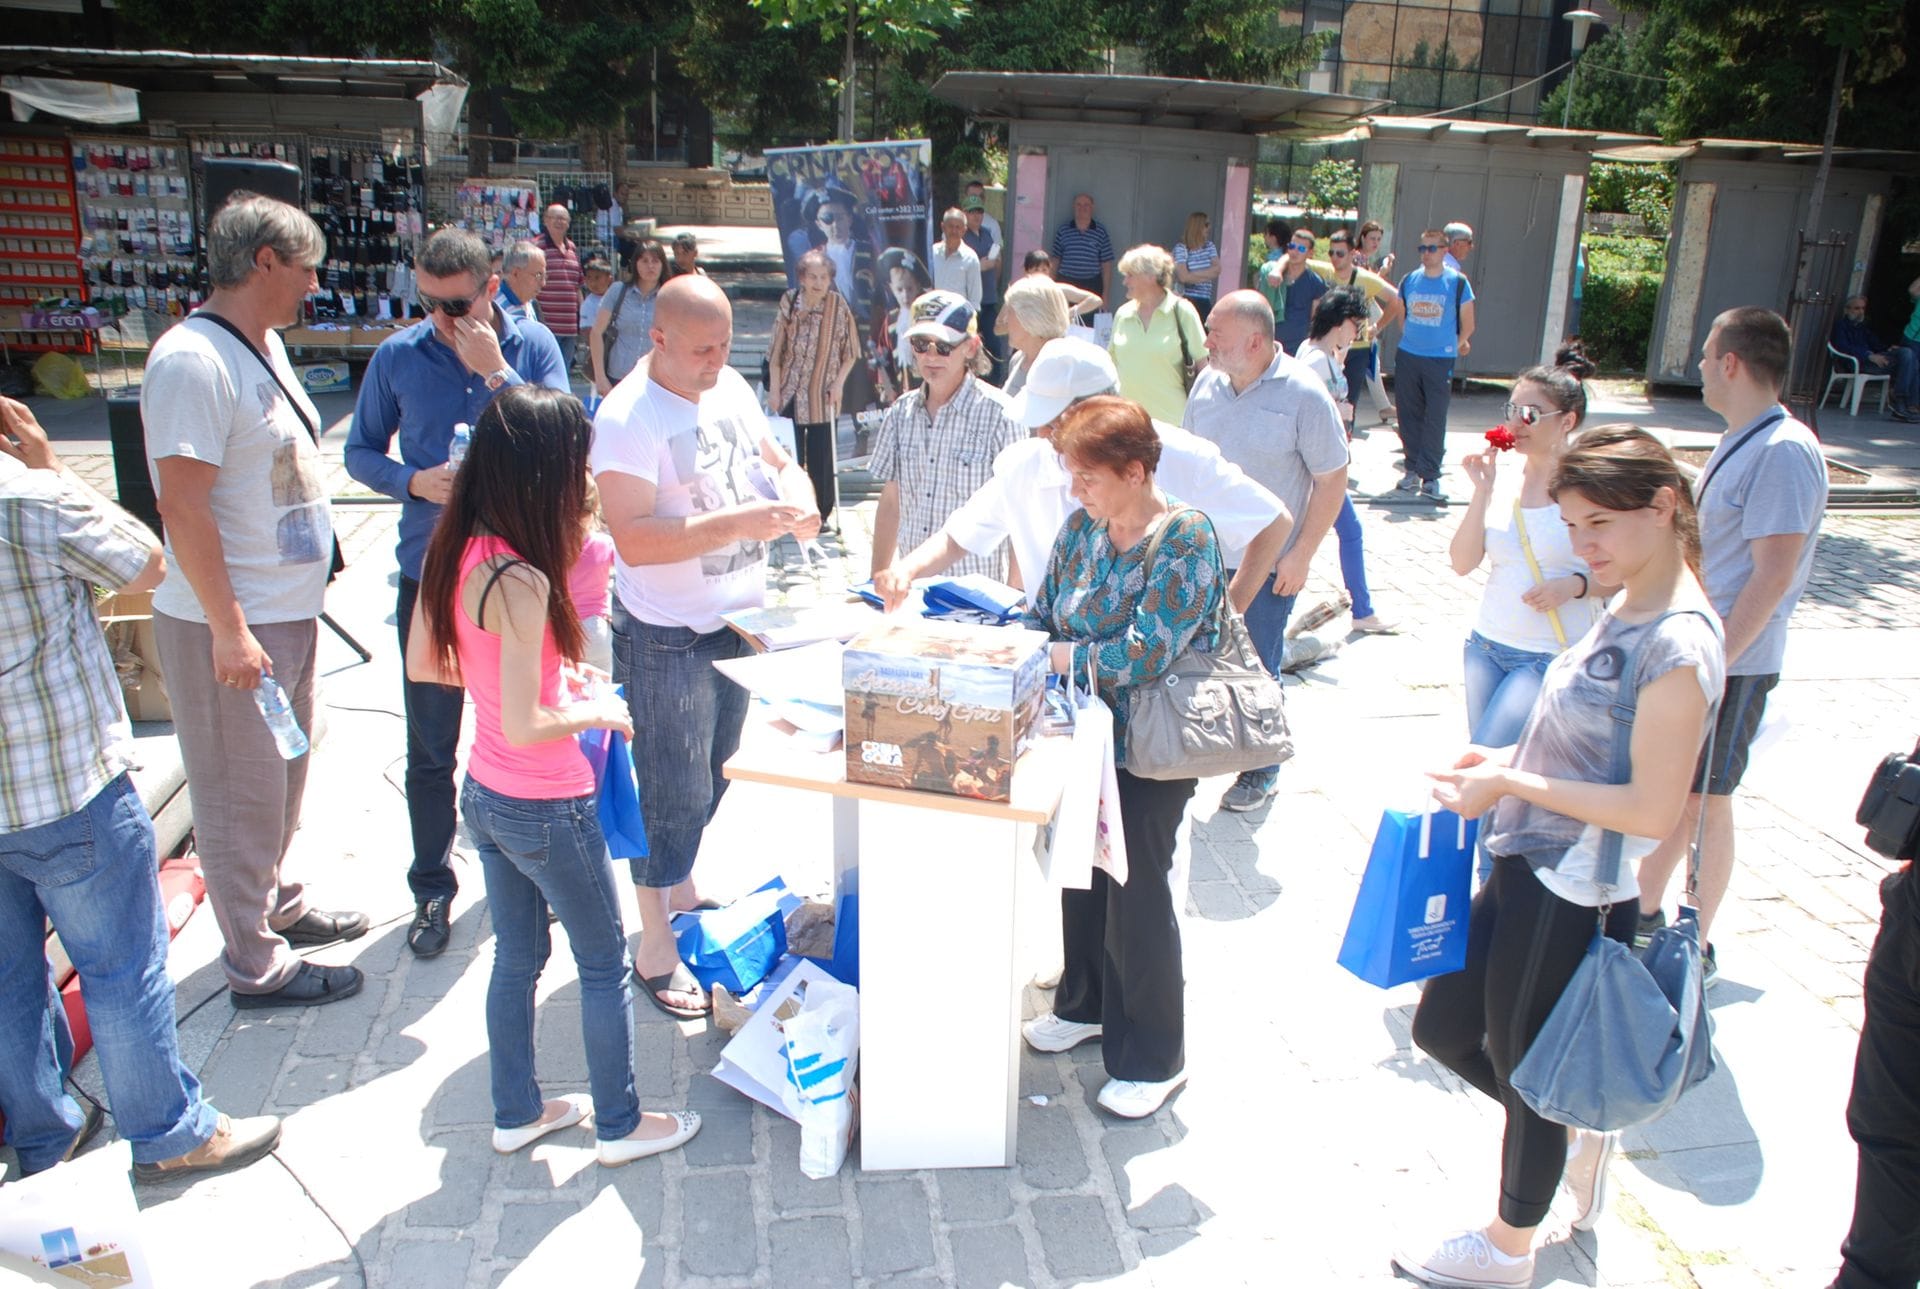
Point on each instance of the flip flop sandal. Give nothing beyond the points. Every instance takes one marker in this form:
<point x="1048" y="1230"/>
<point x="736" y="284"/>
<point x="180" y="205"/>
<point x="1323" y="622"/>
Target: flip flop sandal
<point x="680" y="980"/>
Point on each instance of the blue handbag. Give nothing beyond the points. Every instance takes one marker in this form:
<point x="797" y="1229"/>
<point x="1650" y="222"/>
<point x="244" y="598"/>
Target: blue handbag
<point x="1631" y="1033"/>
<point x="1409" y="920"/>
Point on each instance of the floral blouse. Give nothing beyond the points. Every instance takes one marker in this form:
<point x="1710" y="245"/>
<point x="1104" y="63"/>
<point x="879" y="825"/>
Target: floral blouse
<point x="1132" y="624"/>
<point x="810" y="346"/>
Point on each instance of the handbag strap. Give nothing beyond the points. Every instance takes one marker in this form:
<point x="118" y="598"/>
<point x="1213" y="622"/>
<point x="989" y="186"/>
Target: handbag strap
<point x="1621" y="756"/>
<point x="1707" y="477"/>
<point x="1174" y="511"/>
<point x="227" y="326"/>
<point x="1533" y="566"/>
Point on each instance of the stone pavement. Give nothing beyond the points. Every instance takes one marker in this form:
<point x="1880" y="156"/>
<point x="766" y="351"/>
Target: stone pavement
<point x="1311" y="1136"/>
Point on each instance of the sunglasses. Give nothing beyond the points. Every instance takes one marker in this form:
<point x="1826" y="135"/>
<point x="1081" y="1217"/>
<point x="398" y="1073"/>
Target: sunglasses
<point x="1425" y="249"/>
<point x="925" y="344"/>
<point x="1339" y="252"/>
<point x="458" y="307"/>
<point x="1303" y="248"/>
<point x="1525" y="413"/>
<point x="828" y="217"/>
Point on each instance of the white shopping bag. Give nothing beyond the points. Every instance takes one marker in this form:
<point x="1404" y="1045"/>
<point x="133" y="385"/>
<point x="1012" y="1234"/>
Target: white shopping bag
<point x="823" y="1055"/>
<point x="77" y="1220"/>
<point x="1086" y="829"/>
<point x="755" y="1060"/>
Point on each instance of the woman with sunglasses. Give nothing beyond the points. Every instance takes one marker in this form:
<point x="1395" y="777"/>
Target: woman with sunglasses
<point x="1540" y="596"/>
<point x="1196" y="264"/>
<point x="494" y="614"/>
<point x="623" y="328"/>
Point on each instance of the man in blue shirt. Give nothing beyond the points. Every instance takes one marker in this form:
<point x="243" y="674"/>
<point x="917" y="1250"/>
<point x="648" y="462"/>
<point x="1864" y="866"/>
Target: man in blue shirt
<point x="985" y="243"/>
<point x="421" y="383"/>
<point x="1298" y="289"/>
<point x="1853" y="337"/>
<point x="1082" y="251"/>
<point x="1438" y="329"/>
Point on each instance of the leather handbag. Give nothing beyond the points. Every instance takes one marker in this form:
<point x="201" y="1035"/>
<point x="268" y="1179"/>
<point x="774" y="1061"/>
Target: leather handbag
<point x="1631" y="1032"/>
<point x="1213" y="711"/>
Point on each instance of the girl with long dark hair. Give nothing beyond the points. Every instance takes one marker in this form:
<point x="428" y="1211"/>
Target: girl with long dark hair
<point x="494" y="615"/>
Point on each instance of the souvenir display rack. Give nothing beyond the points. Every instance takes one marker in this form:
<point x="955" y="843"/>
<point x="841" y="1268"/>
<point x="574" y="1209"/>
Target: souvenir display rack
<point x="500" y="210"/>
<point x="367" y="197"/>
<point x="583" y="192"/>
<point x="137" y="227"/>
<point x="39" y="242"/>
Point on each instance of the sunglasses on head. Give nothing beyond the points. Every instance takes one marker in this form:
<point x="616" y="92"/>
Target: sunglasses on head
<point x="458" y="307"/>
<point x="1524" y="413"/>
<point x="1426" y="248"/>
<point x="923" y="344"/>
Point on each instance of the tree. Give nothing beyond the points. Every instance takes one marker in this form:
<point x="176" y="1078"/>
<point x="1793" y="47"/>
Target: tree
<point x="1622" y="82"/>
<point x="1333" y="185"/>
<point x="1223" y="40"/>
<point x="890" y="26"/>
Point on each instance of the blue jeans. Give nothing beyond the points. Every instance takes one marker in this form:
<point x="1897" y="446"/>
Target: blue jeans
<point x="1267" y="623"/>
<point x="93" y="875"/>
<point x="535" y="855"/>
<point x="1353" y="558"/>
<point x="1502" y="684"/>
<point x="1905" y="356"/>
<point x="686" y="723"/>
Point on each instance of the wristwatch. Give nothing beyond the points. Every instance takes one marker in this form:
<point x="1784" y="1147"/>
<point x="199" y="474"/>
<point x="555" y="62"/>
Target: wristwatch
<point x="496" y="379"/>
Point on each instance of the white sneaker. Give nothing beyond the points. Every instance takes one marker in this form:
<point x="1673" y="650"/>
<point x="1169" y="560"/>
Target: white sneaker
<point x="612" y="1154"/>
<point x="1586" y="1175"/>
<point x="1049" y="1033"/>
<point x="508" y="1140"/>
<point x="1131" y="1100"/>
<point x="1466" y="1261"/>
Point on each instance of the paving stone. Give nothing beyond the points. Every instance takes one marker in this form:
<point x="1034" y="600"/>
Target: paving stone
<point x="653" y="1047"/>
<point x="1049" y="1153"/>
<point x="243" y="1074"/>
<point x="560" y="1055"/>
<point x="1039" y="1074"/>
<point x="310" y="1081"/>
<point x="975" y="1194"/>
<point x="793" y="1189"/>
<point x="1171" y="1206"/>
<point x="1075" y="1235"/>
<point x="428" y="1264"/>
<point x="464" y="1170"/>
<point x="896" y="1228"/>
<point x="466" y="1096"/>
<point x="1217" y="901"/>
<point x="642" y="1187"/>
<point x="341" y="1029"/>
<point x="725" y="1136"/>
<point x="810" y="1253"/>
<point x="525" y="1223"/>
<point x="718" y="1236"/>
<point x="988" y="1257"/>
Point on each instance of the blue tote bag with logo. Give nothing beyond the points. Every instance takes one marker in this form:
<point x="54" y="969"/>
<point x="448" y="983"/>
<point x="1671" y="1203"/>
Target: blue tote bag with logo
<point x="1409" y="920"/>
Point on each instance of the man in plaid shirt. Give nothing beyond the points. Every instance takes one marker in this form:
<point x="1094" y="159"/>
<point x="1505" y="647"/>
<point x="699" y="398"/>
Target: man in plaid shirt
<point x="937" y="445"/>
<point x="77" y="845"/>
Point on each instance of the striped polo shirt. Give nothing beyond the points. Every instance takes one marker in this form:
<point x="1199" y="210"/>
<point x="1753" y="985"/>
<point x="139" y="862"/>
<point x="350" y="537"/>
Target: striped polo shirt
<point x="1196" y="261"/>
<point x="560" y="297"/>
<point x="1079" y="252"/>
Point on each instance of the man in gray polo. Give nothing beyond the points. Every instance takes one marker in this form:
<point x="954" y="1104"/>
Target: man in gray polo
<point x="1272" y="417"/>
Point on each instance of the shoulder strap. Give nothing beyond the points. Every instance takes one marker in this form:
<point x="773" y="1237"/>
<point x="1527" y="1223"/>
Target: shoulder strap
<point x="1174" y="511"/>
<point x="225" y="325"/>
<point x="480" y="610"/>
<point x="1533" y="566"/>
<point x="1621" y="757"/>
<point x="1459" y="290"/>
<point x="1700" y="489"/>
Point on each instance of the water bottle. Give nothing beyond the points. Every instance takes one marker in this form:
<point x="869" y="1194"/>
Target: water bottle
<point x="457" y="450"/>
<point x="273" y="704"/>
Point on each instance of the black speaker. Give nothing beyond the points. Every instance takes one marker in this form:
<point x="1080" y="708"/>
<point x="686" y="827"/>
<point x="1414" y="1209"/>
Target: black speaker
<point x="228" y="175"/>
<point x="128" y="434"/>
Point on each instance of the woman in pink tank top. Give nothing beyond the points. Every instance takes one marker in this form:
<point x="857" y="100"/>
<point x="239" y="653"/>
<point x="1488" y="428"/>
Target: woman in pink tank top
<point x="494" y="614"/>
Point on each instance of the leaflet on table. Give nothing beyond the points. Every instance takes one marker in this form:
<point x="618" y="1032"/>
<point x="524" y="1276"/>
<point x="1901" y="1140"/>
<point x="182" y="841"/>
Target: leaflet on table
<point x="809" y="674"/>
<point x="787" y="626"/>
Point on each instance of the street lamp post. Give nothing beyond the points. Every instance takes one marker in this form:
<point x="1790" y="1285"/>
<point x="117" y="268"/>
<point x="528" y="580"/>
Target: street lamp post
<point x="1582" y="20"/>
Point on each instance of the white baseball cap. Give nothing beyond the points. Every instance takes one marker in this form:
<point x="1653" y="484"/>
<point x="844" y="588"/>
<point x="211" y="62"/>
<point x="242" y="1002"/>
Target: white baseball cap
<point x="1066" y="369"/>
<point x="942" y="315"/>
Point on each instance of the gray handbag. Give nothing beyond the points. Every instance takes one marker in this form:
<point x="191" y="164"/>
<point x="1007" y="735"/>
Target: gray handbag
<point x="1631" y="1032"/>
<point x="1214" y="711"/>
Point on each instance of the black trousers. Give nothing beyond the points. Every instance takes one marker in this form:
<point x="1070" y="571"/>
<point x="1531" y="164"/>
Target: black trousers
<point x="1523" y="945"/>
<point x="1882" y="1248"/>
<point x="814" y="446"/>
<point x="1122" y="944"/>
<point x="433" y="737"/>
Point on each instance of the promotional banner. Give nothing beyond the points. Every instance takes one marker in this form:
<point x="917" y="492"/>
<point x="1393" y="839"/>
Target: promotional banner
<point x="868" y="208"/>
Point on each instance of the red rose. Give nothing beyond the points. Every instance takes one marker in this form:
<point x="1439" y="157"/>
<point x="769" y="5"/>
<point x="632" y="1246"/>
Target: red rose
<point x="1502" y="438"/>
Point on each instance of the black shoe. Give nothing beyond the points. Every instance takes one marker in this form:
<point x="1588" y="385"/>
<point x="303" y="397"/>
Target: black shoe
<point x="428" y="935"/>
<point x="311" y="986"/>
<point x="1649" y="923"/>
<point x="315" y="927"/>
<point x="1710" y="969"/>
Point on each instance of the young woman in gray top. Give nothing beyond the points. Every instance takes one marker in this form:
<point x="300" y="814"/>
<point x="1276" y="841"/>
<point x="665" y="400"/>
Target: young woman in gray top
<point x="626" y="313"/>
<point x="1549" y="801"/>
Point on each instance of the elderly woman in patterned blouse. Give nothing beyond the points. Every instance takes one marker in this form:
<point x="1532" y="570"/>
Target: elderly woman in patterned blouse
<point x="814" y="347"/>
<point x="1107" y="611"/>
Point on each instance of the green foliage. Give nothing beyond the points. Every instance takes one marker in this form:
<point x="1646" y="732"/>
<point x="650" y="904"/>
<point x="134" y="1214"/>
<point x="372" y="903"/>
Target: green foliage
<point x="1227" y="40"/>
<point x="1643" y="190"/>
<point x="775" y="83"/>
<point x="1619" y="297"/>
<point x="1333" y="185"/>
<point x="892" y="25"/>
<point x="1621" y="86"/>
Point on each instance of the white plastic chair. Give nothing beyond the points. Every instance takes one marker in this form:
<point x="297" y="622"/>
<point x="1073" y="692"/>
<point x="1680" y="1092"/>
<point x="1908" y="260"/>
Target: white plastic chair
<point x="1846" y="368"/>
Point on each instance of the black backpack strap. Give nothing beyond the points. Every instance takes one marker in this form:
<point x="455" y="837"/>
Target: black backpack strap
<point x="480" y="610"/>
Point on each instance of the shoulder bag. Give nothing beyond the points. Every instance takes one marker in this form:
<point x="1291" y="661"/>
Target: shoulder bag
<point x="1533" y="566"/>
<point x="1187" y="370"/>
<point x="1213" y="711"/>
<point x="1631" y="1032"/>
<point x="612" y="333"/>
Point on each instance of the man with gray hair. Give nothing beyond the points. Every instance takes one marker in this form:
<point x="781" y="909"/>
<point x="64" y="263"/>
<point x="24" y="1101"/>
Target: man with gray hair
<point x="420" y="383"/>
<point x="1271" y="416"/>
<point x="1459" y="245"/>
<point x="523" y="275"/>
<point x="233" y="444"/>
<point x="560" y="304"/>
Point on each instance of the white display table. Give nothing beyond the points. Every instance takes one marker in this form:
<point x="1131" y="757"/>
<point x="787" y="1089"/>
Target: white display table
<point x="939" y="880"/>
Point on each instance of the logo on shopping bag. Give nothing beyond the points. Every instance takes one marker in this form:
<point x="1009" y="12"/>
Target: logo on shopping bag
<point x="59" y="1248"/>
<point x="1436" y="909"/>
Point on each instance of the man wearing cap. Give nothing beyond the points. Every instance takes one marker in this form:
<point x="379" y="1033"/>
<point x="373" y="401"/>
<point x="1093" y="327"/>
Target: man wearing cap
<point x="1029" y="497"/>
<point x="955" y="267"/>
<point x="559" y="298"/>
<point x="938" y="443"/>
<point x="985" y="243"/>
<point x="1459" y="245"/>
<point x="1270" y="415"/>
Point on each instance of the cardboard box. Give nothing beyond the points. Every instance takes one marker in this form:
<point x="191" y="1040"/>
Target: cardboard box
<point x="942" y="706"/>
<point x="128" y="623"/>
<point x="326" y="378"/>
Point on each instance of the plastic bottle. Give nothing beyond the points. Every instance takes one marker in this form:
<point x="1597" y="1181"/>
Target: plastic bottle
<point x="273" y="705"/>
<point x="457" y="450"/>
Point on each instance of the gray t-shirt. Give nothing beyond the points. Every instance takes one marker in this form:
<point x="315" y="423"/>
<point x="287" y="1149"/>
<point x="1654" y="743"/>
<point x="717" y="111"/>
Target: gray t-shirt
<point x="1282" y="430"/>
<point x="633" y="337"/>
<point x="1775" y="485"/>
<point x="1570" y="736"/>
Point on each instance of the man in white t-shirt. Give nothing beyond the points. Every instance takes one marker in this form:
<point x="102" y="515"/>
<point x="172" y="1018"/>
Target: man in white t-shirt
<point x="231" y="444"/>
<point x="693" y="488"/>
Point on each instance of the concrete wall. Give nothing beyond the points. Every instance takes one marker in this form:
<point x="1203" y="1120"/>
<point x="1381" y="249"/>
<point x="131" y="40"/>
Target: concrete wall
<point x="1734" y="242"/>
<point x="1524" y="204"/>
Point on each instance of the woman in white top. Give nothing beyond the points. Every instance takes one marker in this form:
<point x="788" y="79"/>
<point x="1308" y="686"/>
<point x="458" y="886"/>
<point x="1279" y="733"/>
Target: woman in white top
<point x="1540" y="596"/>
<point x="1035" y="311"/>
<point x="1337" y="316"/>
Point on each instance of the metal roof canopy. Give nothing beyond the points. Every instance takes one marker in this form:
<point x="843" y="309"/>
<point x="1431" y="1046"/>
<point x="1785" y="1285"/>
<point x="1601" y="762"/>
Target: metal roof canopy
<point x="1763" y="150"/>
<point x="1158" y="101"/>
<point x="169" y="70"/>
<point x="1440" y="129"/>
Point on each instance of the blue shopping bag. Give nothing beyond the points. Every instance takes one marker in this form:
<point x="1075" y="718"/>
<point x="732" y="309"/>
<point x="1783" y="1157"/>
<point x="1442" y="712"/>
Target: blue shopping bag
<point x="737" y="946"/>
<point x="608" y="752"/>
<point x="1409" y="920"/>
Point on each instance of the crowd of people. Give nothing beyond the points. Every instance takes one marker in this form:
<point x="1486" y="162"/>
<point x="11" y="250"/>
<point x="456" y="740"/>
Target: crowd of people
<point x="1139" y="493"/>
